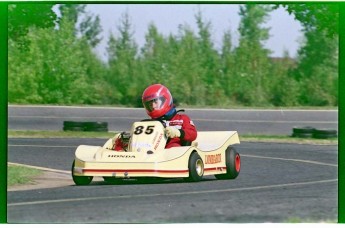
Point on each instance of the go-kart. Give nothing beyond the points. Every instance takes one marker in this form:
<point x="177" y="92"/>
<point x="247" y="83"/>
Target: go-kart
<point x="146" y="156"/>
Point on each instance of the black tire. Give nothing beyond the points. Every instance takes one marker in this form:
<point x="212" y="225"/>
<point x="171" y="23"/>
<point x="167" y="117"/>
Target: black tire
<point x="73" y="126"/>
<point x="324" y="136"/>
<point x="302" y="132"/>
<point x="306" y="129"/>
<point x="95" y="126"/>
<point x="81" y="180"/>
<point x="195" y="167"/>
<point x="85" y="126"/>
<point x="233" y="164"/>
<point x="101" y="129"/>
<point x="325" y="131"/>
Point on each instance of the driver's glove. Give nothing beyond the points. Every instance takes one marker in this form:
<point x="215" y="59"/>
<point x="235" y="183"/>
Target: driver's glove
<point x="172" y="132"/>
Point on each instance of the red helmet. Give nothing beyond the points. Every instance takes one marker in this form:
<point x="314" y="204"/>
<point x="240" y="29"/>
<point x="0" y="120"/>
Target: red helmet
<point x="157" y="100"/>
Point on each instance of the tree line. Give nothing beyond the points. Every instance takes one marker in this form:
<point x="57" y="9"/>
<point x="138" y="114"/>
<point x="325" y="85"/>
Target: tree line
<point x="51" y="60"/>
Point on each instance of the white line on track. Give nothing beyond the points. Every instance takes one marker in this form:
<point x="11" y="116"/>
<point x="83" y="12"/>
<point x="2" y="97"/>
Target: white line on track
<point x="243" y="155"/>
<point x="290" y="159"/>
<point x="195" y="119"/>
<point x="174" y="194"/>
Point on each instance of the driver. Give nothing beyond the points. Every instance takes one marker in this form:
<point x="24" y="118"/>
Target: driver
<point x="158" y="102"/>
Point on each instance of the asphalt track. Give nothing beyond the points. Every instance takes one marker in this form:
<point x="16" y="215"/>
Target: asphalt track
<point x="277" y="183"/>
<point x="245" y="121"/>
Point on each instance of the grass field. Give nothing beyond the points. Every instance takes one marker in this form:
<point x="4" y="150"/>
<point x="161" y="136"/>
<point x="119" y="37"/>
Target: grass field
<point x="17" y="175"/>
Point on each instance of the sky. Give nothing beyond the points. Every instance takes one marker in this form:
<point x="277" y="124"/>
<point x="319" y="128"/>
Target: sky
<point x="285" y="32"/>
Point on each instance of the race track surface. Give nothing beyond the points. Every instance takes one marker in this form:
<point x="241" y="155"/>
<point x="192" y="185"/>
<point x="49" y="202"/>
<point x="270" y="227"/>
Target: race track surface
<point x="245" y="121"/>
<point x="278" y="183"/>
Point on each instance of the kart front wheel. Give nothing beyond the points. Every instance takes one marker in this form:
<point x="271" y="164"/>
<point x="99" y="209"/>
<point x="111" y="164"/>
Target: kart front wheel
<point x="196" y="168"/>
<point x="80" y="180"/>
<point x="233" y="164"/>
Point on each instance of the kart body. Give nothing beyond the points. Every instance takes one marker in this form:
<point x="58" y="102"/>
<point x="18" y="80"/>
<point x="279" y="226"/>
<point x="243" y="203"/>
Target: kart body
<point x="146" y="156"/>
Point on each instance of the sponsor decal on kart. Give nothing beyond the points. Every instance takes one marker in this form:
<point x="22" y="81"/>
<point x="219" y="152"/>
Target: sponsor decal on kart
<point x="120" y="156"/>
<point x="154" y="138"/>
<point x="141" y="145"/>
<point x="213" y="159"/>
<point x="158" y="141"/>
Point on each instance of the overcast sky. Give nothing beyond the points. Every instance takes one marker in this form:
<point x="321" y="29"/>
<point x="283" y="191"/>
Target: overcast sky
<point x="285" y="31"/>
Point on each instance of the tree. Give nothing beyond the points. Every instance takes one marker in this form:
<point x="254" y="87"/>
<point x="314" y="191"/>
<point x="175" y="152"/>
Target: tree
<point x="228" y="62"/>
<point x="155" y="56"/>
<point x="320" y="16"/>
<point x="252" y="62"/>
<point x="317" y="62"/>
<point x="54" y="70"/>
<point x="122" y="62"/>
<point x="187" y="70"/>
<point x="22" y="16"/>
<point x="317" y="70"/>
<point x="89" y="26"/>
<point x="72" y="12"/>
<point x="283" y="88"/>
<point x="22" y="83"/>
<point x="209" y="59"/>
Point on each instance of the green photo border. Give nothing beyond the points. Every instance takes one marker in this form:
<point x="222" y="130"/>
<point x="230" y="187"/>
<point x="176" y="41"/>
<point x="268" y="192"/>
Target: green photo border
<point x="341" y="115"/>
<point x="4" y="103"/>
<point x="3" y="113"/>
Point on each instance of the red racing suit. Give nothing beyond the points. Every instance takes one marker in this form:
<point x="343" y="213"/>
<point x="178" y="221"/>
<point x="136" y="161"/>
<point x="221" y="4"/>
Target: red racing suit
<point x="186" y="127"/>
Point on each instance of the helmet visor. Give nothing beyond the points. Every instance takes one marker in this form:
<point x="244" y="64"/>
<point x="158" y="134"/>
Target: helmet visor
<point x="154" y="104"/>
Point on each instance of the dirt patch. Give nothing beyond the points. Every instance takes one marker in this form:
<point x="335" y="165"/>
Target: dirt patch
<point x="46" y="180"/>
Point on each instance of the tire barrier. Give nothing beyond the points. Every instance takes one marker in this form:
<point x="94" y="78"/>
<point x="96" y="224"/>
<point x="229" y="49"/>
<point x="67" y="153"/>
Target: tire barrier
<point x="85" y="126"/>
<point x="324" y="133"/>
<point x="302" y="132"/>
<point x="310" y="132"/>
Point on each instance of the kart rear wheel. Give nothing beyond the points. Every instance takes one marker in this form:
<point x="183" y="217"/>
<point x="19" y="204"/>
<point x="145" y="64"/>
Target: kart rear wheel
<point x="233" y="164"/>
<point x="80" y="180"/>
<point x="195" y="167"/>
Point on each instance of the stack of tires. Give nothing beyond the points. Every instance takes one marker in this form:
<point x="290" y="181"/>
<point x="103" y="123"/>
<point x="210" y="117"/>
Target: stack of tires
<point x="310" y="132"/>
<point x="85" y="126"/>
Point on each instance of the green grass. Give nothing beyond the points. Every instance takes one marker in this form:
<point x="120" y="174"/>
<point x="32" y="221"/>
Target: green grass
<point x="300" y="220"/>
<point x="106" y="135"/>
<point x="287" y="139"/>
<point x="17" y="175"/>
